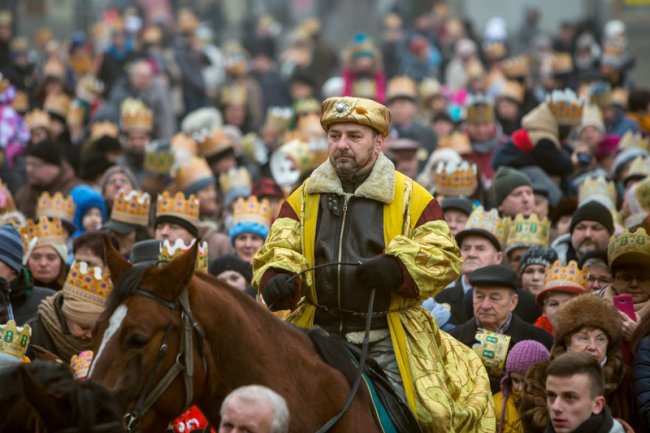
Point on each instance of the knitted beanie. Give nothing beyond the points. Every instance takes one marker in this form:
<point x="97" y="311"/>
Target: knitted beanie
<point x="506" y="180"/>
<point x="11" y="247"/>
<point x="537" y="255"/>
<point x="48" y="151"/>
<point x="524" y="354"/>
<point x="231" y="262"/>
<point x="593" y="211"/>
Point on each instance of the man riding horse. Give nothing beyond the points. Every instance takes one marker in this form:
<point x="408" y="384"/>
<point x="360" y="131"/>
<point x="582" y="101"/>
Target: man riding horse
<point x="365" y="226"/>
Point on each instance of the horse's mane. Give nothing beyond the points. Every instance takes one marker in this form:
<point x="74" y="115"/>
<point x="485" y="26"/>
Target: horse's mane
<point x="124" y="287"/>
<point x="47" y="373"/>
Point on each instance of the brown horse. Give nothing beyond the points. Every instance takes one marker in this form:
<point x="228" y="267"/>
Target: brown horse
<point x="244" y="344"/>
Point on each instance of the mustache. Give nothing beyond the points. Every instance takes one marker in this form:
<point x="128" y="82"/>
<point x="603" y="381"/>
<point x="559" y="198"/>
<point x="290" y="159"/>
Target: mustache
<point x="343" y="153"/>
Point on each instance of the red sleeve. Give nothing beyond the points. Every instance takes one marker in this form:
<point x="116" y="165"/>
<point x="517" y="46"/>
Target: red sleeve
<point x="432" y="212"/>
<point x="288" y="303"/>
<point x="286" y="211"/>
<point x="408" y="289"/>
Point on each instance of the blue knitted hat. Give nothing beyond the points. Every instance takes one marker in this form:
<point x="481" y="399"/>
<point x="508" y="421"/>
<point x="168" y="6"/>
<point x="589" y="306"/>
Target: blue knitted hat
<point x="247" y="227"/>
<point x="11" y="247"/>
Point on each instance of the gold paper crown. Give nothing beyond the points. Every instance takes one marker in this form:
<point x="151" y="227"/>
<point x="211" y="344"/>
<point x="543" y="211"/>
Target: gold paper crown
<point x="489" y="221"/>
<point x="191" y="172"/>
<point x="187" y="21"/>
<point x="401" y="87"/>
<point x="58" y="104"/>
<point x="213" y="142"/>
<point x="640" y="167"/>
<point x="55" y="206"/>
<point x="4" y="84"/>
<point x="21" y="102"/>
<point x="597" y="189"/>
<point x="516" y="67"/>
<point x="131" y="208"/>
<point x="7" y="203"/>
<point x="235" y="178"/>
<point x="565" y="276"/>
<point x="6" y="18"/>
<point x="184" y="146"/>
<point x="233" y="95"/>
<point x="565" y="106"/>
<point x="135" y="116"/>
<point x="600" y="93"/>
<point x="479" y="109"/>
<point x="89" y="88"/>
<point x="306" y="106"/>
<point x="37" y="119"/>
<point x="104" y="128"/>
<point x="80" y="364"/>
<point x="87" y="283"/>
<point x="642" y="194"/>
<point x="76" y="115"/>
<point x="494" y="50"/>
<point x="631" y="140"/>
<point x="42" y="232"/>
<point x="169" y="252"/>
<point x="178" y="206"/>
<point x="279" y="118"/>
<point x="512" y="90"/>
<point x="252" y="210"/>
<point x="526" y="232"/>
<point x="152" y="35"/>
<point x="14" y="339"/>
<point x="633" y="243"/>
<point x="562" y="63"/>
<point x="158" y="159"/>
<point x="457" y="141"/>
<point x="619" y="97"/>
<point x="429" y="87"/>
<point x="453" y="179"/>
<point x="54" y="68"/>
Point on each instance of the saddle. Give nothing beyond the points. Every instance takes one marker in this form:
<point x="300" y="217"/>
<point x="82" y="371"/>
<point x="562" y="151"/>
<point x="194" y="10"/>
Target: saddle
<point x="391" y="413"/>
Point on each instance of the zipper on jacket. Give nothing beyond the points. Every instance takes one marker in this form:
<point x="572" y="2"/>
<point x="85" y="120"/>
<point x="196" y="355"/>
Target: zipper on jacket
<point x="340" y="258"/>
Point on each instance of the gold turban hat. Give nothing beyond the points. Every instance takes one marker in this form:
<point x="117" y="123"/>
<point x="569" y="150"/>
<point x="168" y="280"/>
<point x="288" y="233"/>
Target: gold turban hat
<point x="356" y="110"/>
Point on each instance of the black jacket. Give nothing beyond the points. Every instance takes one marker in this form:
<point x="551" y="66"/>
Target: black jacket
<point x="25" y="297"/>
<point x="642" y="380"/>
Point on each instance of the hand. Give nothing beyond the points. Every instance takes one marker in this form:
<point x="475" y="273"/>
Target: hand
<point x="629" y="326"/>
<point x="382" y="273"/>
<point x="278" y="288"/>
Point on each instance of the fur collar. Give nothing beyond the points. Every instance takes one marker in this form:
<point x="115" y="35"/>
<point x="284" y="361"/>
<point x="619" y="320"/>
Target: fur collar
<point x="379" y="186"/>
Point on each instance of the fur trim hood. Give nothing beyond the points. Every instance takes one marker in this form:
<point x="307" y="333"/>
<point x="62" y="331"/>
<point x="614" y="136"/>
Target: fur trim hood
<point x="540" y="123"/>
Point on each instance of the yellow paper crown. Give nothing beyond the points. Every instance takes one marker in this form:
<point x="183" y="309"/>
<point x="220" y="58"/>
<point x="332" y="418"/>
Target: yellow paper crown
<point x="598" y="189"/>
<point x="7" y="203"/>
<point x="104" y="128"/>
<point x="42" y="232"/>
<point x="640" y="167"/>
<point x="213" y="142"/>
<point x="562" y="63"/>
<point x="76" y="115"/>
<point x="512" y="90"/>
<point x="620" y="97"/>
<point x="494" y="50"/>
<point x="131" y="208"/>
<point x="479" y="109"/>
<point x="80" y="364"/>
<point x="456" y="179"/>
<point x="235" y="178"/>
<point x="178" y="206"/>
<point x="158" y="158"/>
<point x="429" y="87"/>
<point x="526" y="232"/>
<point x="55" y="206"/>
<point x="58" y="103"/>
<point x="631" y="140"/>
<point x="457" y="141"/>
<point x="565" y="276"/>
<point x="489" y="221"/>
<point x="191" y="172"/>
<point x="4" y="84"/>
<point x="14" y="339"/>
<point x="169" y="252"/>
<point x="21" y="102"/>
<point x="233" y="95"/>
<point x="184" y="146"/>
<point x="516" y="67"/>
<point x="251" y="210"/>
<point x="401" y="87"/>
<point x="565" y="106"/>
<point x="642" y="194"/>
<point x="306" y="106"/>
<point x="135" y="116"/>
<point x="89" y="88"/>
<point x="628" y="243"/>
<point x="54" y="68"/>
<point x="87" y="283"/>
<point x="37" y="119"/>
<point x="279" y="118"/>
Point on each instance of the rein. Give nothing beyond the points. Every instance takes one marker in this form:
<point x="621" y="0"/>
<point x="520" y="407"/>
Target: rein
<point x="184" y="364"/>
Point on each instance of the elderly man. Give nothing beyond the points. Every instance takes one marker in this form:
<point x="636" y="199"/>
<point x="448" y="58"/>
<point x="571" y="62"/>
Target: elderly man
<point x="254" y="409"/>
<point x="494" y="300"/>
<point x="354" y="208"/>
<point x="591" y="226"/>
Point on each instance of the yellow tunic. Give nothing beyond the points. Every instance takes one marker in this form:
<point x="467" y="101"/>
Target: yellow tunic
<point x="445" y="383"/>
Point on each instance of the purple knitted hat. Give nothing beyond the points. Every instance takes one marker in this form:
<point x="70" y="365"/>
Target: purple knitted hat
<point x="524" y="354"/>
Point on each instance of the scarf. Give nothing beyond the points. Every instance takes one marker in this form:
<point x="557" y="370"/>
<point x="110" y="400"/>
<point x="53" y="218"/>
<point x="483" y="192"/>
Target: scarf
<point x="65" y="344"/>
<point x="601" y="423"/>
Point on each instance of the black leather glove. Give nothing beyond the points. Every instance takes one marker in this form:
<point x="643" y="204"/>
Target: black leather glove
<point x="278" y="288"/>
<point x="382" y="273"/>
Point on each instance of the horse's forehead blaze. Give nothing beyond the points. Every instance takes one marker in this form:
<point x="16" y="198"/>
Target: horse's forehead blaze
<point x="114" y="324"/>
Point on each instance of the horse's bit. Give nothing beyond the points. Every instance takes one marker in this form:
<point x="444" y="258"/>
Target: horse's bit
<point x="184" y="363"/>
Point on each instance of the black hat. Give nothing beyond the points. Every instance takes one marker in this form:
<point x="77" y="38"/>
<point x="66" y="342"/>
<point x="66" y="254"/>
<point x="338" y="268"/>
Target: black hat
<point x="460" y="236"/>
<point x="187" y="225"/>
<point x="47" y="150"/>
<point x="462" y="204"/>
<point x="145" y="253"/>
<point x="120" y="227"/>
<point x="593" y="211"/>
<point x="231" y="262"/>
<point x="494" y="276"/>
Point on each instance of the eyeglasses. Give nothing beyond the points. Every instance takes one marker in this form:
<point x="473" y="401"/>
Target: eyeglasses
<point x="603" y="280"/>
<point x="627" y="277"/>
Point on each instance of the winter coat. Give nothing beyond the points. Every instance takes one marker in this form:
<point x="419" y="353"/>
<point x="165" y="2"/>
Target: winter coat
<point x="25" y="297"/>
<point x="642" y="380"/>
<point x="511" y="421"/>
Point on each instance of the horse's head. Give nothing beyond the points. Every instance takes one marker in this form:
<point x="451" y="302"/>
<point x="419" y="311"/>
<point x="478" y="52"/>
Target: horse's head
<point x="138" y="338"/>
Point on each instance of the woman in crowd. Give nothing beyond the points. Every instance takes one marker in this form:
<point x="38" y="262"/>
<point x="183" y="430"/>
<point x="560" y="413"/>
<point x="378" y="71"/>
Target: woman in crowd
<point x="46" y="252"/>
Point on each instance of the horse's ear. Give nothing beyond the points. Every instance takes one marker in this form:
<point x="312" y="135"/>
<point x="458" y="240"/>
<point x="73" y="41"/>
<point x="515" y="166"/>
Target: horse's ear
<point x="173" y="277"/>
<point x="49" y="405"/>
<point x="117" y="264"/>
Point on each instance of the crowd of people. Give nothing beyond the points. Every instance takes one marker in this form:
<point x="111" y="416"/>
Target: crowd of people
<point x="516" y="300"/>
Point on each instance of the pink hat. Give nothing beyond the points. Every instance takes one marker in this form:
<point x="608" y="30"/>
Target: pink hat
<point x="607" y="146"/>
<point x="525" y="354"/>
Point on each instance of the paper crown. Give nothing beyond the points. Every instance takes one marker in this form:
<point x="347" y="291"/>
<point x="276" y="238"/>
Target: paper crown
<point x="565" y="106"/>
<point x="640" y="167"/>
<point x="158" y="157"/>
<point x="562" y="63"/>
<point x="178" y="206"/>
<point x="76" y="115"/>
<point x="456" y="179"/>
<point x="233" y="95"/>
<point x="619" y="97"/>
<point x="429" y="87"/>
<point x="187" y="21"/>
<point x="457" y="141"/>
<point x="55" y="205"/>
<point x="494" y="50"/>
<point x="131" y="208"/>
<point x="600" y="93"/>
<point x="479" y="108"/>
<point x="598" y="189"/>
<point x="306" y="106"/>
<point x="526" y="232"/>
<point x="190" y="172"/>
<point x="631" y="140"/>
<point x="253" y="211"/>
<point x="135" y="116"/>
<point x="42" y="232"/>
<point x="87" y="283"/>
<point x="14" y="339"/>
<point x="6" y="18"/>
<point x="516" y="67"/>
<point x="58" y="104"/>
<point x="89" y="88"/>
<point x="235" y="178"/>
<point x="20" y="102"/>
<point x="254" y="149"/>
<point x="7" y="203"/>
<point x="103" y="128"/>
<point x="54" y="68"/>
<point x="296" y="158"/>
<point x="279" y="118"/>
<point x="184" y="146"/>
<point x="558" y="276"/>
<point x="4" y="84"/>
<point x="512" y="90"/>
<point x="152" y="34"/>
<point x="401" y="87"/>
<point x="80" y="364"/>
<point x="169" y="252"/>
<point x="213" y="142"/>
<point x="489" y="221"/>
<point x="628" y="243"/>
<point x="37" y="119"/>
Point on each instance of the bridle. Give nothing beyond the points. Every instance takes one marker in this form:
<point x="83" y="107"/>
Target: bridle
<point x="184" y="364"/>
